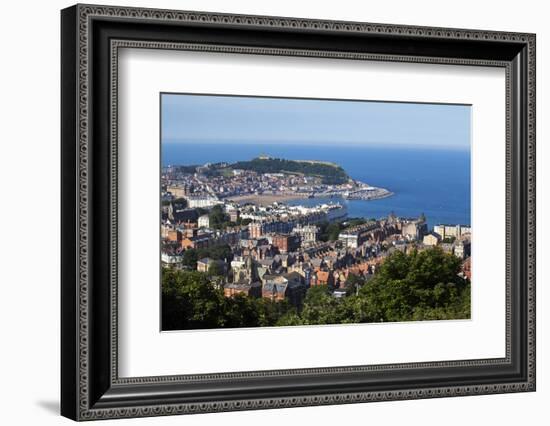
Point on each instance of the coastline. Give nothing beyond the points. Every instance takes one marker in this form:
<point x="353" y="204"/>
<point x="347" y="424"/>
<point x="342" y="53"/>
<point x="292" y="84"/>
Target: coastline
<point x="443" y="200"/>
<point x="267" y="199"/>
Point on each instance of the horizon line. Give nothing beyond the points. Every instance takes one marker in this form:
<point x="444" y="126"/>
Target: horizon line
<point x="377" y="144"/>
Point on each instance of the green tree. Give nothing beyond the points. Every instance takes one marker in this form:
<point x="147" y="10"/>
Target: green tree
<point x="270" y="311"/>
<point x="290" y="318"/>
<point x="217" y="217"/>
<point x="333" y="231"/>
<point x="357" y="309"/>
<point x="354" y="221"/>
<point x="216" y="269"/>
<point x="239" y="311"/>
<point x="421" y="285"/>
<point x="190" y="258"/>
<point x="217" y="252"/>
<point x="353" y="283"/>
<point x="328" y="173"/>
<point x="190" y="301"/>
<point x="320" y="307"/>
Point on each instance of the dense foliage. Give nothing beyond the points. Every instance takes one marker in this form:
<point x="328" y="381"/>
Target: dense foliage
<point x="329" y="231"/>
<point x="407" y="287"/>
<point x="217" y="217"/>
<point x="217" y="252"/>
<point x="330" y="174"/>
<point x="192" y="300"/>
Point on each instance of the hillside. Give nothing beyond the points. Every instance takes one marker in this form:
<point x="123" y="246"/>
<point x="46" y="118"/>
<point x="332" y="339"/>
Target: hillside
<point x="331" y="174"/>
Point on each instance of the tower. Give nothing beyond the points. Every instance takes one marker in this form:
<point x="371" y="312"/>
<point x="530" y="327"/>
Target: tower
<point x="251" y="273"/>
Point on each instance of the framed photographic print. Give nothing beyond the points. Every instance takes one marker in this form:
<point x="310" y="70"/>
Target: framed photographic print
<point x="263" y="212"/>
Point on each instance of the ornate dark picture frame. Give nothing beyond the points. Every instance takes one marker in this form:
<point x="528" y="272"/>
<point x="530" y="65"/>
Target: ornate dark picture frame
<point x="90" y="385"/>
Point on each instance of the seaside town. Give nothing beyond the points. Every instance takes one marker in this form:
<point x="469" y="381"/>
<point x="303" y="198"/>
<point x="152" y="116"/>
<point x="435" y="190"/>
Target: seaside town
<point x="233" y="223"/>
<point x="263" y="180"/>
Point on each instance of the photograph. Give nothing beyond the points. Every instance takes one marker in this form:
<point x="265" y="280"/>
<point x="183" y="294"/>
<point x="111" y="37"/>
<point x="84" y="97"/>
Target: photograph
<point x="303" y="192"/>
<point x="279" y="211"/>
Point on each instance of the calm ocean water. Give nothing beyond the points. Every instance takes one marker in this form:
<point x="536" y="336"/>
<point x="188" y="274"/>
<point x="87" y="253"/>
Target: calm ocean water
<point x="429" y="181"/>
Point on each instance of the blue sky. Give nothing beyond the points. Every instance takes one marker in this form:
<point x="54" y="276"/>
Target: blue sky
<point x="249" y="120"/>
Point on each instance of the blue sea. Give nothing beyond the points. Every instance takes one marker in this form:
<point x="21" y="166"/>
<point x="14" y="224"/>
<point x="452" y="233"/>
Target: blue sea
<point x="435" y="182"/>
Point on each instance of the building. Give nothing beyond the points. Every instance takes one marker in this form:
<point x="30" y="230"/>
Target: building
<point x="307" y="233"/>
<point x="198" y="241"/>
<point x="355" y="236"/>
<point x="431" y="239"/>
<point x="174" y="235"/>
<point x="248" y="289"/>
<point x="203" y="264"/>
<point x="178" y="191"/>
<point x="202" y="201"/>
<point x="462" y="249"/>
<point x="165" y="228"/>
<point x="415" y="229"/>
<point x="204" y="221"/>
<point x="255" y="229"/>
<point x="234" y="215"/>
<point x="321" y="277"/>
<point x="178" y="215"/>
<point x="244" y="270"/>
<point x="447" y="248"/>
<point x="171" y="259"/>
<point x="286" y="259"/>
<point x="467" y="268"/>
<point x="190" y="231"/>
<point x="232" y="236"/>
<point x="258" y="229"/>
<point x="452" y="231"/>
<point x="285" y="243"/>
<point x="289" y="286"/>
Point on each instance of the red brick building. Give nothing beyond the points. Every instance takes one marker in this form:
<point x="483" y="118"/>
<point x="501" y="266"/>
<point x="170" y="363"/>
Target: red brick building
<point x="251" y="290"/>
<point x="285" y="243"/>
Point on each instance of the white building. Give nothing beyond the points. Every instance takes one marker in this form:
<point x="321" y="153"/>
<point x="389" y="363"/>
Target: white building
<point x="202" y="201"/>
<point x="308" y="233"/>
<point x="171" y="259"/>
<point x="204" y="221"/>
<point x="456" y="231"/>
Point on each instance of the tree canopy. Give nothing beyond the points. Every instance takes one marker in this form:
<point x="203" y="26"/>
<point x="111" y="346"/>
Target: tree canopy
<point x="420" y="285"/>
<point x="216" y="252"/>
<point x="329" y="173"/>
<point x="330" y="231"/>
<point x="217" y="217"/>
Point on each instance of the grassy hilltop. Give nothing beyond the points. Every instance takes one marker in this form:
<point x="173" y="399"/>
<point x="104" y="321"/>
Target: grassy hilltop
<point x="330" y="173"/>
